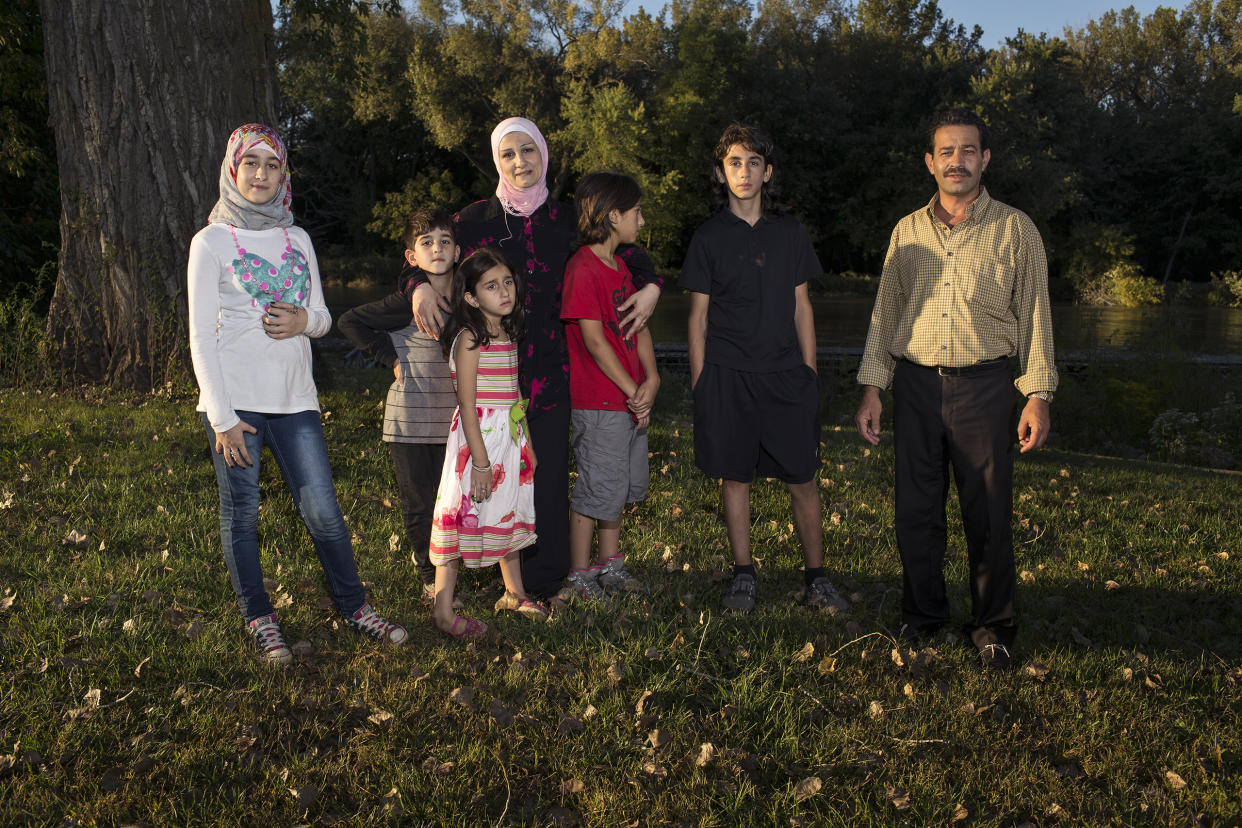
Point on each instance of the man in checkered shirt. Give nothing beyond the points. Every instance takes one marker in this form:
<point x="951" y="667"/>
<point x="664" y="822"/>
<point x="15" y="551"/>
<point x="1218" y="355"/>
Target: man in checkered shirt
<point x="964" y="291"/>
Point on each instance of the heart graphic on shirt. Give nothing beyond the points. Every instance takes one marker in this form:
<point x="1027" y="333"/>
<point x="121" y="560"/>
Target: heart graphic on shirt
<point x="265" y="282"/>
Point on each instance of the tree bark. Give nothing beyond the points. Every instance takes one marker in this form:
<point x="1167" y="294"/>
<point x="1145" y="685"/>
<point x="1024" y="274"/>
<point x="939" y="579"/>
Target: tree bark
<point x="142" y="96"/>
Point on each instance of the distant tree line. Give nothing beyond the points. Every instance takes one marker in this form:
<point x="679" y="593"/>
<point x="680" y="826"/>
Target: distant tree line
<point x="1121" y="139"/>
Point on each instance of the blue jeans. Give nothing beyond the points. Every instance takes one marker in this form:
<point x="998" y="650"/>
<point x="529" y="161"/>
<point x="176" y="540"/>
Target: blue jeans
<point x="296" y="442"/>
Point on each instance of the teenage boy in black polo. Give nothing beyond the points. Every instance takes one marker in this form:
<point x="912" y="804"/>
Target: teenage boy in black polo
<point x="752" y="358"/>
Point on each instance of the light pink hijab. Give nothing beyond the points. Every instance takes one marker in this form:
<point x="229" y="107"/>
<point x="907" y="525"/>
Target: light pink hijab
<point x="524" y="201"/>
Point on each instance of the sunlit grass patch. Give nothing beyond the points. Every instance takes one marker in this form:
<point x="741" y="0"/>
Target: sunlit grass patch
<point x="131" y="694"/>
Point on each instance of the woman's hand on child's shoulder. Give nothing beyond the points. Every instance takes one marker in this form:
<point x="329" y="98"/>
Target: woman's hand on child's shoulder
<point x="427" y="305"/>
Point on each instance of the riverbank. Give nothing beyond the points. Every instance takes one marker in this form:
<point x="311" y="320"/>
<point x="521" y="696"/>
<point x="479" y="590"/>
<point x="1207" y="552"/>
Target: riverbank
<point x="131" y="696"/>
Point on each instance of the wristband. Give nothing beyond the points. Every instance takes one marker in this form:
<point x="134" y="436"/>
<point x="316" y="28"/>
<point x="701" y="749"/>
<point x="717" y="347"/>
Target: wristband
<point x="488" y="467"/>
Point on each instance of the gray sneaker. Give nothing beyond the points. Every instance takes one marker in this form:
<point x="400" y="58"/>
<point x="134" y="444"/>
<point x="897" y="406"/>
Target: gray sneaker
<point x="614" y="577"/>
<point x="584" y="586"/>
<point x="271" y="644"/>
<point x="740" y="596"/>
<point x="821" y="593"/>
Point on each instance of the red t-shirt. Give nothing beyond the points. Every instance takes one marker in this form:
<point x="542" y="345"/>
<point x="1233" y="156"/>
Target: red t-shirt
<point x="593" y="290"/>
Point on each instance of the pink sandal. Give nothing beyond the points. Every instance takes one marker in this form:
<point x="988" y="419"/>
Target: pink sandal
<point x="463" y="628"/>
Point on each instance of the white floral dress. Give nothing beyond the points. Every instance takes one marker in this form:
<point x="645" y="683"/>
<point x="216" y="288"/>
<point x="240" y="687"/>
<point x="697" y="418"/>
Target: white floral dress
<point x="483" y="533"/>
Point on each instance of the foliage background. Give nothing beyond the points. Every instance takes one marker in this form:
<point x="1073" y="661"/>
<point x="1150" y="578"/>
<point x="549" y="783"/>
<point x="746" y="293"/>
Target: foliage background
<point x="1118" y="138"/>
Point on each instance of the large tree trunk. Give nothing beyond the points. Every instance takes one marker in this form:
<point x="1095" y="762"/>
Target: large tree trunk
<point x="143" y="95"/>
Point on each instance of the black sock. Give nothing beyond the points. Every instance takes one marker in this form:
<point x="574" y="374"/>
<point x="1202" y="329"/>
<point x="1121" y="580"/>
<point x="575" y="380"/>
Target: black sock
<point x="809" y="575"/>
<point x="749" y="569"/>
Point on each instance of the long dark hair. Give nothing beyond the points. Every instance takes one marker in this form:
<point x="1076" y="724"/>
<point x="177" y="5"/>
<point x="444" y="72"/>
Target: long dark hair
<point x="758" y="142"/>
<point x="466" y="317"/>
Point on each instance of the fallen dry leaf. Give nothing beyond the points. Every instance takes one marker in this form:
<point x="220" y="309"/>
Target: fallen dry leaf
<point x="590" y="712"/>
<point x="1175" y="781"/>
<point x="875" y="710"/>
<point x="389" y="804"/>
<point x="959" y="814"/>
<point x="303" y="648"/>
<point x="642" y="700"/>
<point x="569" y="724"/>
<point x="616" y="671"/>
<point x="652" y="769"/>
<point x="463" y="696"/>
<point x="807" y="651"/>
<point x="111" y="779"/>
<point x="573" y="786"/>
<point x="7" y="761"/>
<point x="382" y="718"/>
<point x="7" y="600"/>
<point x="707" y="754"/>
<point x="305" y="796"/>
<point x="899" y="797"/>
<point x="75" y="537"/>
<point x="807" y="788"/>
<point x="1037" y="670"/>
<point x="1080" y="639"/>
<point x="138" y="669"/>
<point x="827" y="665"/>
<point x="194" y="630"/>
<point x="499" y="713"/>
<point x="657" y="738"/>
<point x="130" y="627"/>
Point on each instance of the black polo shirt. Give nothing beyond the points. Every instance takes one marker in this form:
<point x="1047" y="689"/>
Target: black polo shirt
<point x="750" y="274"/>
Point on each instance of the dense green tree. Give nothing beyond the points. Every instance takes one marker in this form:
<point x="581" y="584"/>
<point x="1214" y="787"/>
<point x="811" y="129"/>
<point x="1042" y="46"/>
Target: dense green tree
<point x="28" y="188"/>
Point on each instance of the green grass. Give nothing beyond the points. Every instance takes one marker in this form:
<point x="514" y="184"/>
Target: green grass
<point x="1129" y="646"/>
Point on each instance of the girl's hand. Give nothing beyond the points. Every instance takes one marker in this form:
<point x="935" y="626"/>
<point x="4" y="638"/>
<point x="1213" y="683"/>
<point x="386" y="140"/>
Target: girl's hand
<point x="480" y="483"/>
<point x="641" y="305"/>
<point x="284" y="321"/>
<point x="232" y="444"/>
<point x="396" y="372"/>
<point x="642" y="420"/>
<point x="534" y="461"/>
<point x="427" y="305"/>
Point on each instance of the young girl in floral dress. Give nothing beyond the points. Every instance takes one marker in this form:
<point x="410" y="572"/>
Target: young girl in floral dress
<point x="485" y="509"/>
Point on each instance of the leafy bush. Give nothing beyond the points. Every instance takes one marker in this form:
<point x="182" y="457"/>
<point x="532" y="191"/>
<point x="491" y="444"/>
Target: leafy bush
<point x="1226" y="289"/>
<point x="25" y="352"/>
<point x="1122" y="284"/>
<point x="1210" y="439"/>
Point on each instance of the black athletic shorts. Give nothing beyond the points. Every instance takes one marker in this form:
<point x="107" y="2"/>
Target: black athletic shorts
<point x="749" y="424"/>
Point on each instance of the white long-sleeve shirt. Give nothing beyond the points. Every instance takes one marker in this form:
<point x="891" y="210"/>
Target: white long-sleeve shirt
<point x="238" y="367"/>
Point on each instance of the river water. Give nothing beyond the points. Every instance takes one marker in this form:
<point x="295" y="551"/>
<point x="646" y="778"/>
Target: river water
<point x="841" y="322"/>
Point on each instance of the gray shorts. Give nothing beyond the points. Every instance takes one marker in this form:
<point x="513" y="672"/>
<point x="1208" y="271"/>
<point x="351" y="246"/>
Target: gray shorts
<point x="612" y="463"/>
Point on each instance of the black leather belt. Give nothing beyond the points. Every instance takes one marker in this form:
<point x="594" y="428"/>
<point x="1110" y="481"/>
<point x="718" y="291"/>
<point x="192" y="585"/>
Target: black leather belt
<point x="977" y="368"/>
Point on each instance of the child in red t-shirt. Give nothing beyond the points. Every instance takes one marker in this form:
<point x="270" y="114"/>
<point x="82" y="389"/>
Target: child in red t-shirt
<point x="612" y="383"/>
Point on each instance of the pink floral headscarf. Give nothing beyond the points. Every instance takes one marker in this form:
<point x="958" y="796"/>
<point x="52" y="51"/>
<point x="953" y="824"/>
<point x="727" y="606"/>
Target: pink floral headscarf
<point x="523" y="201"/>
<point x="233" y="208"/>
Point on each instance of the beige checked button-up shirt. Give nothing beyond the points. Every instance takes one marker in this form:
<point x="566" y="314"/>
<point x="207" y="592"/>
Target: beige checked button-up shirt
<point x="951" y="297"/>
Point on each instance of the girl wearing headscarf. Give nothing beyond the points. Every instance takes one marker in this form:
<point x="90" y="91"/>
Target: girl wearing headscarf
<point x="537" y="234"/>
<point x="255" y="301"/>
